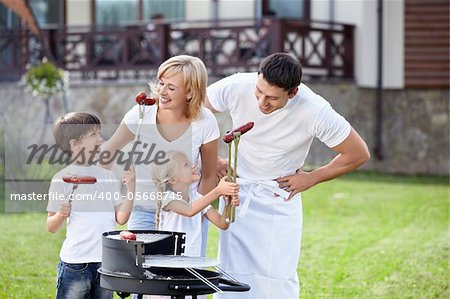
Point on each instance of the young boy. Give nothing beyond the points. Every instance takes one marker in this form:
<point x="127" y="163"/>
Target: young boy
<point x="91" y="210"/>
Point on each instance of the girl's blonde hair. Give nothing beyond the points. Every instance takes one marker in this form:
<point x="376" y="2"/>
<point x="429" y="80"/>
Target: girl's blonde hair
<point x="161" y="174"/>
<point x="195" y="79"/>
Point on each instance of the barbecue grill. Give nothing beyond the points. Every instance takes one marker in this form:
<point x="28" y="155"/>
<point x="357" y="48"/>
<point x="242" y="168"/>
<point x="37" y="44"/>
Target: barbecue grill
<point x="154" y="264"/>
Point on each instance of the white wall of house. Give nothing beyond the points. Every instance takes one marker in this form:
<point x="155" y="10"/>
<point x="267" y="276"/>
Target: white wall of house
<point x="363" y="14"/>
<point x="78" y="12"/>
<point x="393" y="27"/>
<point x="198" y="9"/>
<point x="236" y="9"/>
<point x="227" y="9"/>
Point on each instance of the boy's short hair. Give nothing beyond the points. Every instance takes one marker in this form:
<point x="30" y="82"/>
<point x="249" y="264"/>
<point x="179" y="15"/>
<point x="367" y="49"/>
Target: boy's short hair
<point x="282" y="70"/>
<point x="73" y="126"/>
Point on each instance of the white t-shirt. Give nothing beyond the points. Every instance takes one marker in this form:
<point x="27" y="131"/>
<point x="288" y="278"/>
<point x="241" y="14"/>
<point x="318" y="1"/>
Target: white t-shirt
<point x="279" y="142"/>
<point x="92" y="211"/>
<point x="202" y="131"/>
<point x="192" y="226"/>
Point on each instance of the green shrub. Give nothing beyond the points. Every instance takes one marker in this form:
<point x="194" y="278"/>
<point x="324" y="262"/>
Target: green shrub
<point x="45" y="79"/>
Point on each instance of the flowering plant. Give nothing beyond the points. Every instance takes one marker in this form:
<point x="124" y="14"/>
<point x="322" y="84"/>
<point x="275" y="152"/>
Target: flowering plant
<point x="45" y="79"/>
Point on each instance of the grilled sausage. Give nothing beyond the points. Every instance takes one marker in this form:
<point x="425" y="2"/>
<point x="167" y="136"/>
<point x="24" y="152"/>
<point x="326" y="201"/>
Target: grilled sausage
<point x="229" y="136"/>
<point x="143" y="99"/>
<point x="127" y="235"/>
<point x="73" y="179"/>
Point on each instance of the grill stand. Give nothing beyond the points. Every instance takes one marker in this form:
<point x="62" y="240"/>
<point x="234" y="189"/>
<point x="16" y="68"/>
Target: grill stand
<point x="129" y="275"/>
<point x="140" y="296"/>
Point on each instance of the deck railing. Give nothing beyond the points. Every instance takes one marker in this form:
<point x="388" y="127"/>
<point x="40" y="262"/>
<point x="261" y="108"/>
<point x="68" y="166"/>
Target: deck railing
<point x="324" y="49"/>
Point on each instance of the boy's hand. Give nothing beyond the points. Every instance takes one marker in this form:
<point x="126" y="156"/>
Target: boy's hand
<point x="129" y="177"/>
<point x="227" y="188"/>
<point x="65" y="209"/>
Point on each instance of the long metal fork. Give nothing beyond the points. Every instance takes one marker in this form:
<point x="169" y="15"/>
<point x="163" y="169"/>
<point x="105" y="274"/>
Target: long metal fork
<point x="206" y="281"/>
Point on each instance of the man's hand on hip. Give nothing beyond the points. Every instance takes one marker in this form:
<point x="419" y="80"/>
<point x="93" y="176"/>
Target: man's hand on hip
<point x="295" y="183"/>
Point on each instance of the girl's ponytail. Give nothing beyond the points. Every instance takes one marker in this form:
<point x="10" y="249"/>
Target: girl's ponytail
<point x="161" y="176"/>
<point x="161" y="186"/>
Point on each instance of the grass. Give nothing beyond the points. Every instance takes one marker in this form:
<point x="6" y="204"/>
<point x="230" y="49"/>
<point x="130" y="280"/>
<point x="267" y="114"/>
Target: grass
<point x="364" y="236"/>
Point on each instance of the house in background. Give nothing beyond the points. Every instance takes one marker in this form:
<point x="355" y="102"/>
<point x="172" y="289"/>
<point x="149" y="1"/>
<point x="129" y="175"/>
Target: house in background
<point x="394" y="87"/>
<point x="90" y="36"/>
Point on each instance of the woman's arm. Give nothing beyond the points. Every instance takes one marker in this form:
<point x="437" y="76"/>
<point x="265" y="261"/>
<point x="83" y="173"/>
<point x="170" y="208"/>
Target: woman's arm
<point x="123" y="211"/>
<point x="121" y="137"/>
<point x="208" y="180"/>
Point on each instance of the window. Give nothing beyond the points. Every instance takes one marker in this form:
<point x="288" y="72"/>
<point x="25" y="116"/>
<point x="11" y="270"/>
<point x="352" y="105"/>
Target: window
<point x="116" y="12"/>
<point x="119" y="12"/>
<point x="167" y="9"/>
<point x="8" y="20"/>
<point x="295" y="9"/>
<point x="47" y="12"/>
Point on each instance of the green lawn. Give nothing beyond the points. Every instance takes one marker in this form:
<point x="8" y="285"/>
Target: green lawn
<point x="364" y="236"/>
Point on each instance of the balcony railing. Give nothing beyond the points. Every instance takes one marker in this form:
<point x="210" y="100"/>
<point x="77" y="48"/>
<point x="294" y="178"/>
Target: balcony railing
<point x="324" y="49"/>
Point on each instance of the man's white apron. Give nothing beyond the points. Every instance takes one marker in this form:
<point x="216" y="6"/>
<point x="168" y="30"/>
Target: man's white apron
<point x="262" y="247"/>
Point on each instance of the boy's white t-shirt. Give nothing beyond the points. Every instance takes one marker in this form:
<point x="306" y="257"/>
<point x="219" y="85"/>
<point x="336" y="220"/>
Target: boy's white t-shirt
<point x="192" y="226"/>
<point x="92" y="211"/>
<point x="202" y="131"/>
<point x="279" y="142"/>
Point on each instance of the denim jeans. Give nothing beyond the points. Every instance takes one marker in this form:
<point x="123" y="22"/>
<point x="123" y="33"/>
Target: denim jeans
<point x="80" y="281"/>
<point x="142" y="218"/>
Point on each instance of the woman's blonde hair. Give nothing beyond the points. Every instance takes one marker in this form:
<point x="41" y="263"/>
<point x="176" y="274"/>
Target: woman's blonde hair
<point x="195" y="79"/>
<point x="161" y="175"/>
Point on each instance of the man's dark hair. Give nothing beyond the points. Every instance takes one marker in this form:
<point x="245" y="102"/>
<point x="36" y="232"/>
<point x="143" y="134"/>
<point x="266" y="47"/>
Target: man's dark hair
<point x="281" y="70"/>
<point x="73" y="126"/>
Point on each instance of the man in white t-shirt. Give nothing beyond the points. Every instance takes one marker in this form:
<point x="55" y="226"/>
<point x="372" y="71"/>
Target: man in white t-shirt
<point x="262" y="247"/>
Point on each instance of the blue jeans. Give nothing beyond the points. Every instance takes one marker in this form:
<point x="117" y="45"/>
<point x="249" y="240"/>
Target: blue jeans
<point x="142" y="218"/>
<point x="80" y="281"/>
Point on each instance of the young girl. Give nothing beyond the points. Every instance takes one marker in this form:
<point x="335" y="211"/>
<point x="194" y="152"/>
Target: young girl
<point x="173" y="180"/>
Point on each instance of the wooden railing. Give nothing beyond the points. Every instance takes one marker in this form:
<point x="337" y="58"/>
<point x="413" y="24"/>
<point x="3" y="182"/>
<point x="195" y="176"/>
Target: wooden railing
<point x="324" y="49"/>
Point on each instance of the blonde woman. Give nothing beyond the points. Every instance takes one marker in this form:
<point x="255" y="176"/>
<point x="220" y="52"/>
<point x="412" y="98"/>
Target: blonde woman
<point x="177" y="122"/>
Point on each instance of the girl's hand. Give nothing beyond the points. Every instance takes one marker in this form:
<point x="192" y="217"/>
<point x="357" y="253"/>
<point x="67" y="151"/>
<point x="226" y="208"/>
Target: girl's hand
<point x="195" y="173"/>
<point x="129" y="177"/>
<point x="228" y="188"/>
<point x="235" y="201"/>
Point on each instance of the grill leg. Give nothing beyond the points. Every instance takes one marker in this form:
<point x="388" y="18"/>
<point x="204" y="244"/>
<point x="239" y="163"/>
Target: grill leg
<point x="123" y="295"/>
